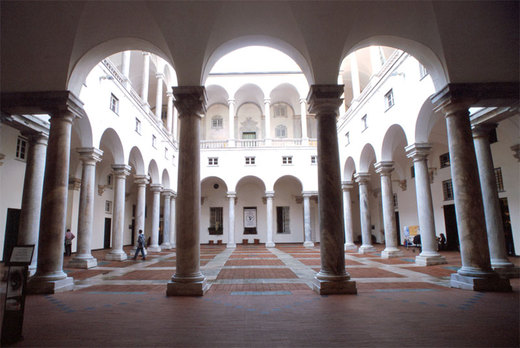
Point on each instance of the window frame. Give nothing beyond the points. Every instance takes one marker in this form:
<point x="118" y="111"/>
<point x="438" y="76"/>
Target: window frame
<point x="138" y="126"/>
<point x="213" y="161"/>
<point x="282" y="129"/>
<point x="217" y="122"/>
<point x="21" y="149"/>
<point x="283" y="220"/>
<point x="447" y="190"/>
<point x="287" y="160"/>
<point x="114" y="104"/>
<point x="444" y="160"/>
<point x="250" y="160"/>
<point x="389" y="99"/>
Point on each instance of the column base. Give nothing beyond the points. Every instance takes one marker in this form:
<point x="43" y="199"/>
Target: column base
<point x="165" y="246"/>
<point x="154" y="248"/>
<point x="338" y="285"/>
<point x="430" y="260"/>
<point x="366" y="248"/>
<point x="308" y="244"/>
<point x="392" y="252"/>
<point x="37" y="285"/>
<point x="83" y="263"/>
<point x="119" y="256"/>
<point x="269" y="245"/>
<point x="490" y="283"/>
<point x="231" y="245"/>
<point x="507" y="272"/>
<point x="197" y="288"/>
<point x="350" y="246"/>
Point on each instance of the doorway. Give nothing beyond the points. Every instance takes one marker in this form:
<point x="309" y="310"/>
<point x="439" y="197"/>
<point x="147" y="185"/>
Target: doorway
<point x="508" y="232"/>
<point x="397" y="228"/>
<point x="108" y="228"/>
<point x="450" y="222"/>
<point x="11" y="231"/>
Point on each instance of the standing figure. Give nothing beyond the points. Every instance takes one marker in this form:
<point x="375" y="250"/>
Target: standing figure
<point x="140" y="245"/>
<point x="69" y="236"/>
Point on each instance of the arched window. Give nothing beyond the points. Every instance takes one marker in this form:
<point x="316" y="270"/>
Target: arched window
<point x="281" y="131"/>
<point x="217" y="122"/>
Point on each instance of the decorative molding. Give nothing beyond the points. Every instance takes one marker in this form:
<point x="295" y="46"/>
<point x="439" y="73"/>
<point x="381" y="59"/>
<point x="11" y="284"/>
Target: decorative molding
<point x="516" y="151"/>
<point x="101" y="189"/>
<point x="74" y="183"/>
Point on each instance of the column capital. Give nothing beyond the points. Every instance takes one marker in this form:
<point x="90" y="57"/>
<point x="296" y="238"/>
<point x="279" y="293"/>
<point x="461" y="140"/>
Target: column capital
<point x="156" y="188"/>
<point x="89" y="155"/>
<point x="58" y="104"/>
<point x="159" y="76"/>
<point x="169" y="95"/>
<point x="174" y="195"/>
<point x="141" y="179"/>
<point x="482" y="130"/>
<point x="267" y="100"/>
<point x="231" y="101"/>
<point x="324" y="99"/>
<point x="121" y="169"/>
<point x="418" y="151"/>
<point x="231" y="194"/>
<point x="309" y="194"/>
<point x="347" y="185"/>
<point x="303" y="100"/>
<point x="362" y="178"/>
<point x="190" y="100"/>
<point x="167" y="193"/>
<point x="269" y="194"/>
<point x="36" y="137"/>
<point x="384" y="167"/>
<point x="146" y="53"/>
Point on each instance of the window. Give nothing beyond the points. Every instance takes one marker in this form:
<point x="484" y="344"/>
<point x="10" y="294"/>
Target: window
<point x="109" y="180"/>
<point x="212" y="161"/>
<point x="21" y="148"/>
<point x="282" y="220"/>
<point x="422" y="72"/>
<point x="364" y="122"/>
<point x="216" y="220"/>
<point x="447" y="189"/>
<point x="166" y="152"/>
<point x="280" y="110"/>
<point x="250" y="160"/>
<point x="389" y="99"/>
<point x="444" y="160"/>
<point x="396" y="204"/>
<point x="347" y="138"/>
<point x="108" y="207"/>
<point x="493" y="136"/>
<point x="114" y="104"/>
<point x="248" y="135"/>
<point x="173" y="159"/>
<point x="499" y="179"/>
<point x="286" y="159"/>
<point x="154" y="141"/>
<point x="281" y="131"/>
<point x="217" y="122"/>
<point x="412" y="172"/>
<point x="137" y="126"/>
<point x="314" y="159"/>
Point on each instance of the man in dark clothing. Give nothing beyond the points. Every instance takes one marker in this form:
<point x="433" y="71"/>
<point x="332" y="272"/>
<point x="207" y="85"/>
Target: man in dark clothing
<point x="140" y="245"/>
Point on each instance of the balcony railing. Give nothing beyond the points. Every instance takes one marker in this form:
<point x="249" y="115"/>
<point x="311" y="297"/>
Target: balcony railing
<point x="213" y="144"/>
<point x="248" y="143"/>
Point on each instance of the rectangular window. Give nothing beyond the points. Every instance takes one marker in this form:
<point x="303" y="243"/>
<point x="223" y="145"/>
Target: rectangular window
<point x="166" y="152"/>
<point x="412" y="172"/>
<point x="281" y="131"/>
<point x="314" y="159"/>
<point x="212" y="161"/>
<point x="217" y="122"/>
<point x="444" y="160"/>
<point x="396" y="204"/>
<point x="422" y="72"/>
<point x="21" y="148"/>
<point x="137" y="126"/>
<point x="250" y="160"/>
<point x="109" y="180"/>
<point x="248" y="135"/>
<point x="282" y="220"/>
<point x="389" y="99"/>
<point x="108" y="207"/>
<point x="364" y="122"/>
<point x="499" y="179"/>
<point x="154" y="141"/>
<point x="286" y="159"/>
<point x="447" y="189"/>
<point x="280" y="110"/>
<point x="114" y="104"/>
<point x="347" y="137"/>
<point x="216" y="220"/>
<point x="493" y="136"/>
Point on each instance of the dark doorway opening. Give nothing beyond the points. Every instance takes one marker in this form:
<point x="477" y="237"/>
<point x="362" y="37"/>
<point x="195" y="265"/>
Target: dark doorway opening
<point x="108" y="228"/>
<point x="397" y="228"/>
<point x="508" y="232"/>
<point x="452" y="233"/>
<point x="11" y="231"/>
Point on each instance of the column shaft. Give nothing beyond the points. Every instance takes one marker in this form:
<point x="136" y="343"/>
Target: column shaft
<point x="307" y="221"/>
<point x="172" y="221"/>
<point x="146" y="77"/>
<point x="303" y="112"/>
<point x="141" y="181"/>
<point x="231" y="121"/>
<point x="269" y="212"/>
<point x="231" y="221"/>
<point x="156" y="212"/>
<point x="364" y="212"/>
<point x="166" y="220"/>
<point x="347" y="216"/>
<point x="120" y="172"/>
<point x="159" y="97"/>
<point x="169" y="113"/>
<point x="267" y="107"/>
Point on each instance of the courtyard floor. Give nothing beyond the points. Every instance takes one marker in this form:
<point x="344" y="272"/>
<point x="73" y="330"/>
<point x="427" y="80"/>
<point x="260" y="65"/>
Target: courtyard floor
<point x="262" y="297"/>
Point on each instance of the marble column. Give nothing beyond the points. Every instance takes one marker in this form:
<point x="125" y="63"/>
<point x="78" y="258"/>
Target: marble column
<point x="476" y="272"/>
<point x="354" y="73"/>
<point x="169" y="113"/>
<point x="156" y="215"/>
<point x="323" y="101"/>
<point x="125" y="68"/>
<point x="231" y="220"/>
<point x="307" y="230"/>
<point x="188" y="280"/>
<point x="89" y="156"/>
<point x="267" y="108"/>
<point x="166" y="220"/>
<point x="231" y="122"/>
<point x="159" y="96"/>
<point x="49" y="277"/>
<point x="303" y="112"/>
<point x="385" y="169"/>
<point x="429" y="255"/>
<point x="269" y="195"/>
<point x="364" y="212"/>
<point x="146" y="79"/>
<point x="119" y="172"/>
<point x="172" y="220"/>
<point x="494" y="224"/>
<point x="32" y="194"/>
<point x="347" y="187"/>
<point x="141" y="181"/>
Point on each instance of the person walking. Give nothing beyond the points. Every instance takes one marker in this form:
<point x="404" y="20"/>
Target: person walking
<point x="69" y="236"/>
<point x="140" y="245"/>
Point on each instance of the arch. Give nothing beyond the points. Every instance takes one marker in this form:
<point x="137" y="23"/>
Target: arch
<point x="136" y="161"/>
<point x="393" y="139"/>
<point x="419" y="51"/>
<point x="286" y="93"/>
<point x="111" y="143"/>
<point x="216" y="95"/>
<point x="349" y="169"/>
<point x="249" y="93"/>
<point x="287" y="179"/>
<point x="79" y="70"/>
<point x="165" y="181"/>
<point x="84" y="129"/>
<point x="211" y="181"/>
<point x="153" y="172"/>
<point x="249" y="179"/>
<point x="367" y="157"/>
<point x="256" y="40"/>
<point x="425" y="121"/>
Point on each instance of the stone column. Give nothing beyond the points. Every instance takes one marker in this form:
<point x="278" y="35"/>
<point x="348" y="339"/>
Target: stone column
<point x="169" y="112"/>
<point x="89" y="156"/>
<point x="269" y="195"/>
<point x="387" y="196"/>
<point x="354" y="73"/>
<point x="125" y="68"/>
<point x="347" y="186"/>
<point x="303" y="112"/>
<point x="49" y="277"/>
<point x="120" y="172"/>
<point x="364" y="211"/>
<point x="32" y="194"/>
<point x="188" y="280"/>
<point x="231" y="221"/>
<point x="429" y="255"/>
<point x="146" y="78"/>
<point x="156" y="212"/>
<point x="141" y="181"/>
<point x="172" y="220"/>
<point x="175" y="123"/>
<point x="307" y="220"/>
<point x="267" y="107"/>
<point x="476" y="272"/>
<point x="493" y="214"/>
<point x="324" y="101"/>
<point x="166" y="219"/>
<point x="231" y="121"/>
<point x="158" y="96"/>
